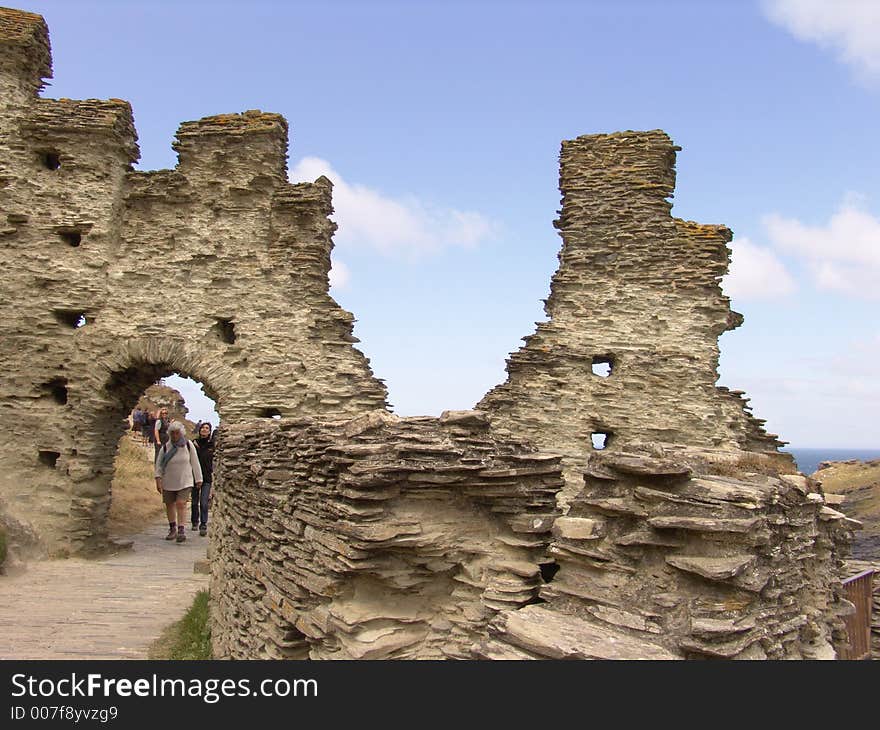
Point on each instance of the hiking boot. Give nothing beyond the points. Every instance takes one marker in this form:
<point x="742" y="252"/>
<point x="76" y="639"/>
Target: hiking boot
<point x="181" y="536"/>
<point x="203" y="530"/>
<point x="172" y="533"/>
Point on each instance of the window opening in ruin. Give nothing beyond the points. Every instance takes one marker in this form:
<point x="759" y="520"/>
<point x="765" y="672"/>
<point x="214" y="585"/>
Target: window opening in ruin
<point x="225" y="330"/>
<point x="548" y="571"/>
<point x="51" y="160"/>
<point x="134" y="504"/>
<point x="71" y="238"/>
<point x="270" y="413"/>
<point x="603" y="365"/>
<point x="71" y="317"/>
<point x="57" y="388"/>
<point x="600" y="439"/>
<point x="49" y="458"/>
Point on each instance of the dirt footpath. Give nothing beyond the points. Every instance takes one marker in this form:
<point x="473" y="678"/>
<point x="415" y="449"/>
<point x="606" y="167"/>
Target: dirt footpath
<point x="111" y="608"/>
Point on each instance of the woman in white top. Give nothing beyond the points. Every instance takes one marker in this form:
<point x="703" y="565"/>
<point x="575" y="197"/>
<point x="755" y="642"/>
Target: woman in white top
<point x="177" y="472"/>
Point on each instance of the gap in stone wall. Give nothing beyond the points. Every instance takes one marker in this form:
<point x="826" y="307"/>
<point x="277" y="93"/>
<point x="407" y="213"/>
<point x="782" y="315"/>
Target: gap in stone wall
<point x="50" y="159"/>
<point x="603" y="365"/>
<point x="225" y="330"/>
<point x="71" y="317"/>
<point x="71" y="237"/>
<point x="49" y="458"/>
<point x="134" y="502"/>
<point x="57" y="388"/>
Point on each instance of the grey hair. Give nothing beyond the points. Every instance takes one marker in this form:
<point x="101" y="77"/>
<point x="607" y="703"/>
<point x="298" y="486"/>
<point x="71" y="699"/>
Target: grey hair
<point x="176" y="426"/>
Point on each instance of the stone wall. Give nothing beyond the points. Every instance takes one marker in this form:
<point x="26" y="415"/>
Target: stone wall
<point x="216" y="269"/>
<point x="637" y="292"/>
<point x="437" y="538"/>
<point x="374" y="538"/>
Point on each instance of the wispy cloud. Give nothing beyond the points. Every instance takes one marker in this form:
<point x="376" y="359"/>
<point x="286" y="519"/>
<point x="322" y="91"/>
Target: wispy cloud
<point x="756" y="273"/>
<point x="405" y="227"/>
<point x="842" y="255"/>
<point x="849" y="27"/>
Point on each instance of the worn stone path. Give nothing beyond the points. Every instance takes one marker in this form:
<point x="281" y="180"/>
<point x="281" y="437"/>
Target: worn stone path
<point x="108" y="608"/>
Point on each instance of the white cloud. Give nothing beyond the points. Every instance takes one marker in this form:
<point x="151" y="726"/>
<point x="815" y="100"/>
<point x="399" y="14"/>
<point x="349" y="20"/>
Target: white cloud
<point x="850" y="27"/>
<point x="756" y="273"/>
<point x="339" y="275"/>
<point x="405" y="226"/>
<point x="842" y="255"/>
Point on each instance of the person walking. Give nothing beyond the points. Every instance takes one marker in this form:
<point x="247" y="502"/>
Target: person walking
<point x="147" y="427"/>
<point x="160" y="430"/>
<point x="137" y="420"/>
<point x="201" y="497"/>
<point x="177" y="471"/>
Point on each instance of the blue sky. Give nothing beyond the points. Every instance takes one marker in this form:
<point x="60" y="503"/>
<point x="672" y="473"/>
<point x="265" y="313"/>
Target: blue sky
<point x="440" y="125"/>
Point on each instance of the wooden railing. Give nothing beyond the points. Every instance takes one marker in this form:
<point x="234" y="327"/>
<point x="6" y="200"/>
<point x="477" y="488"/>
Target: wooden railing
<point x="858" y="589"/>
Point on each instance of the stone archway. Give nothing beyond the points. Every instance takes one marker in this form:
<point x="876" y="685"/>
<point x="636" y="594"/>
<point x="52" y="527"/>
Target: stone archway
<point x="140" y="364"/>
<point x="217" y="268"/>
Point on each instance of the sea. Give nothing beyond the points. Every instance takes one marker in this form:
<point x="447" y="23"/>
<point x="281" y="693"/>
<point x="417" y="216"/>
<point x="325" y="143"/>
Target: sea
<point x="808" y="459"/>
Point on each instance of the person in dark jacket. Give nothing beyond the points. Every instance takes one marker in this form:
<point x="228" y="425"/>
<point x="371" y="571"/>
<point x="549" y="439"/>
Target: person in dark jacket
<point x="201" y="496"/>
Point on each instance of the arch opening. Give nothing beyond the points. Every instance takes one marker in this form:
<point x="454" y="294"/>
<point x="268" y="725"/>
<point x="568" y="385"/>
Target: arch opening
<point x="136" y="396"/>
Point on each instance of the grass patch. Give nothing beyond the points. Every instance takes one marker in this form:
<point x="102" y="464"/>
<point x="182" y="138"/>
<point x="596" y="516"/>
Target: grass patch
<point x="135" y="502"/>
<point x="189" y="638"/>
<point x="769" y="464"/>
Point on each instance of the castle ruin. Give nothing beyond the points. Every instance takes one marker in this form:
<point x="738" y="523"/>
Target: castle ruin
<point x="607" y="501"/>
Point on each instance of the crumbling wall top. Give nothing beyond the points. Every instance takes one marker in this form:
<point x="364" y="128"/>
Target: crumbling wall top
<point x="27" y="32"/>
<point x="252" y="121"/>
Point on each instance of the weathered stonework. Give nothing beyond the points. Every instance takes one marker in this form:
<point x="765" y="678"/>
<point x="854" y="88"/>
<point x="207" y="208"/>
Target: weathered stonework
<point x="660" y="550"/>
<point x="637" y="292"/>
<point x="216" y="269"/>
<point x="383" y="537"/>
<point x="374" y="538"/>
<point x="340" y="530"/>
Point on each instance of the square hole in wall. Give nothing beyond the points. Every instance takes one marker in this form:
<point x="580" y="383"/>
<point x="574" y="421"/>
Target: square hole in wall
<point x="603" y="365"/>
<point x="72" y="237"/>
<point x="50" y="159"/>
<point x="71" y="317"/>
<point x="57" y="388"/>
<point x="600" y="439"/>
<point x="49" y="458"/>
<point x="225" y="330"/>
<point x="270" y="413"/>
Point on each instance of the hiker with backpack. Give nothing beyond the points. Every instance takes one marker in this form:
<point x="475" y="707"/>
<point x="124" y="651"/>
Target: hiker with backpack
<point x="177" y="472"/>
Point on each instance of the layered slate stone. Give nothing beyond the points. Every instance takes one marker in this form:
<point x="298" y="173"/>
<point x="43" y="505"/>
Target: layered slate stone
<point x="638" y="291"/>
<point x="375" y="538"/>
<point x="701" y="565"/>
<point x="216" y="269"/>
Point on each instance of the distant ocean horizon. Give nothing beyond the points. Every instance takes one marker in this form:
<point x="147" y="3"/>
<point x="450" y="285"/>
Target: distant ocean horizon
<point x="808" y="459"/>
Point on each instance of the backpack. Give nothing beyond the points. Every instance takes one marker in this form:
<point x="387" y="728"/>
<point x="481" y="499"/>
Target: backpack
<point x="189" y="448"/>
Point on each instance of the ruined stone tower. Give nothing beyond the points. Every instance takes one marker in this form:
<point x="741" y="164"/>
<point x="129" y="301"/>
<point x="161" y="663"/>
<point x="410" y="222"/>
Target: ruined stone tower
<point x="114" y="277"/>
<point x="637" y="299"/>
